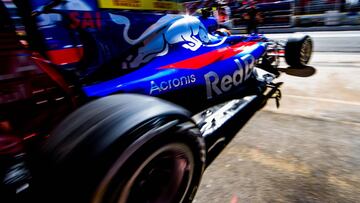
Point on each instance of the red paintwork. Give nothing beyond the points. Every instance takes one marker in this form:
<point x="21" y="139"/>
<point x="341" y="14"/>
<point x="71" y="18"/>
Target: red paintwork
<point x="206" y="59"/>
<point x="65" y="56"/>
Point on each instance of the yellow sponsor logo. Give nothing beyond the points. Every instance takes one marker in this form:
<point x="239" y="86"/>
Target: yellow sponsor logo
<point x="140" y="4"/>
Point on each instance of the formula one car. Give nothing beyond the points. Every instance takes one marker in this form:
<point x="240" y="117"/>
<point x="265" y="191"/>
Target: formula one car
<point x="110" y="104"/>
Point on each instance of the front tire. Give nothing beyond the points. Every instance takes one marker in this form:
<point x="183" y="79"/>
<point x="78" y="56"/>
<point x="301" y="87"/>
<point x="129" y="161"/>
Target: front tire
<point x="125" y="148"/>
<point x="298" y="50"/>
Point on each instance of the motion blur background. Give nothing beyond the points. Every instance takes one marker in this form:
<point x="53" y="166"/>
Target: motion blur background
<point x="308" y="150"/>
<point x="289" y="12"/>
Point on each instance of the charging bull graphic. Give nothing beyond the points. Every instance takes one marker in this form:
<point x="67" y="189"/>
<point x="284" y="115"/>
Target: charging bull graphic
<point x="168" y="30"/>
<point x="160" y="32"/>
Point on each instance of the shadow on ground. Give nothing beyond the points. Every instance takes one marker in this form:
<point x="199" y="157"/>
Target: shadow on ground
<point x="299" y="72"/>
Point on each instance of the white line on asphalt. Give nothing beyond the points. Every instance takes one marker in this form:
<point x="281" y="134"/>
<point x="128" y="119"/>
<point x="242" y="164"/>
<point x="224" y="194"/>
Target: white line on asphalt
<point x="325" y="100"/>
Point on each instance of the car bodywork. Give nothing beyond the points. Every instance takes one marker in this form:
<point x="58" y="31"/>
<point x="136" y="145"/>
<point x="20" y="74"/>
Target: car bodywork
<point x="84" y="51"/>
<point x="167" y="54"/>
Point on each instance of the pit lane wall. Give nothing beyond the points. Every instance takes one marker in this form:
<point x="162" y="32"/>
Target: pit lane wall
<point x="326" y="12"/>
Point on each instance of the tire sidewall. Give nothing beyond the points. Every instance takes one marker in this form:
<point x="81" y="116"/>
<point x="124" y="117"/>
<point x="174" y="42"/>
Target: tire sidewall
<point x="82" y="149"/>
<point x="188" y="136"/>
<point x="293" y="50"/>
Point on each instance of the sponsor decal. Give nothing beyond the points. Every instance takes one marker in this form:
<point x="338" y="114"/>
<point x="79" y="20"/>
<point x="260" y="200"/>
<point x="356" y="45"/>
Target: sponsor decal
<point x="79" y="19"/>
<point x="85" y="20"/>
<point x="166" y="85"/>
<point x="141" y="4"/>
<point x="217" y="86"/>
<point x="49" y="20"/>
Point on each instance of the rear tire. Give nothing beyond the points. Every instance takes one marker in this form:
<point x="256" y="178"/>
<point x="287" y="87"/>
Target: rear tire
<point x="125" y="148"/>
<point x="298" y="51"/>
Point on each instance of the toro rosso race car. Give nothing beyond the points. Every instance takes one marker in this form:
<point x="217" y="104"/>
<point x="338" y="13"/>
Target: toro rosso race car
<point x="124" y="101"/>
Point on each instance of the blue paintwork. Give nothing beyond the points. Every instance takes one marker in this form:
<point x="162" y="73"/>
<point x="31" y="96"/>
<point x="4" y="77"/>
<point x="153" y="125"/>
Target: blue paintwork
<point x="140" y="81"/>
<point x="172" y="44"/>
<point x="210" y="23"/>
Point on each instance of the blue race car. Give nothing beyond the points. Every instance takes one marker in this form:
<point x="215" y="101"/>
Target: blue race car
<point x="124" y="101"/>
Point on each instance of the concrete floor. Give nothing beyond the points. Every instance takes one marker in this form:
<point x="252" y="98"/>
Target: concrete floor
<point x="309" y="149"/>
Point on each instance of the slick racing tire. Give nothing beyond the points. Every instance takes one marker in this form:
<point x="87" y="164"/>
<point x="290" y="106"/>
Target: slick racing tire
<point x="125" y="148"/>
<point x="298" y="50"/>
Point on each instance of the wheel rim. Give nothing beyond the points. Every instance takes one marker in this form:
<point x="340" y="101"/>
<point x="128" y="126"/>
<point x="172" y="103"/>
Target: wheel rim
<point x="306" y="51"/>
<point x="164" y="176"/>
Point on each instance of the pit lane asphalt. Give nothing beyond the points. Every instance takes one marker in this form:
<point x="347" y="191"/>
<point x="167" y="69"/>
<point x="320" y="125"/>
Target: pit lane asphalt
<point x="309" y="149"/>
